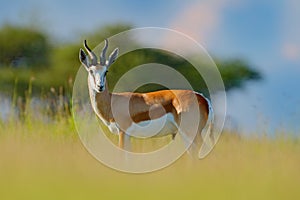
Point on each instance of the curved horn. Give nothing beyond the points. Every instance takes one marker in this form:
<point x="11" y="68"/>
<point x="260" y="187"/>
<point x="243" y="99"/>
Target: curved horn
<point x="91" y="53"/>
<point x="102" y="55"/>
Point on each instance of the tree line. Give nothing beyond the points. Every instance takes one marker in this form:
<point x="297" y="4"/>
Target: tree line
<point x="29" y="59"/>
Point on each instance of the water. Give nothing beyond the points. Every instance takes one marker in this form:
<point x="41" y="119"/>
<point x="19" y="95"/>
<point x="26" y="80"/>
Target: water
<point x="5" y="107"/>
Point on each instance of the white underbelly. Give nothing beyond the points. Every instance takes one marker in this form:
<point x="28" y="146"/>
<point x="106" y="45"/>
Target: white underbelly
<point x="162" y="126"/>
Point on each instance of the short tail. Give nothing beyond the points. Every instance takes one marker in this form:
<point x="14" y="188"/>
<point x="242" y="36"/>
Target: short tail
<point x="207" y="134"/>
<point x="205" y="141"/>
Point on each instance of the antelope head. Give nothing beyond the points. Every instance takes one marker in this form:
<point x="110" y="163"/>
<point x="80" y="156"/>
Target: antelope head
<point x="97" y="70"/>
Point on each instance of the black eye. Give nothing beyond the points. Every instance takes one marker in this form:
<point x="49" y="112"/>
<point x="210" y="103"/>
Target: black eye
<point x="105" y="73"/>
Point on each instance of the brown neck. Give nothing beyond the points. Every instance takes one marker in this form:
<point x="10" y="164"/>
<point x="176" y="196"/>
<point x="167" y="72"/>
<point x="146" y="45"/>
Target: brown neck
<point x="102" y="104"/>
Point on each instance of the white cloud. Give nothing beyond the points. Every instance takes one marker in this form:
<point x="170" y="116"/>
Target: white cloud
<point x="290" y="48"/>
<point x="291" y="51"/>
<point x="200" y="19"/>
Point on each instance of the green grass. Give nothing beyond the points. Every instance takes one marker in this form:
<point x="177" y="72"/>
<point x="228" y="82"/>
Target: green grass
<point x="47" y="161"/>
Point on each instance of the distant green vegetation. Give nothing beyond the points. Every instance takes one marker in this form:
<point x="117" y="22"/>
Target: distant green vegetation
<point x="23" y="47"/>
<point x="27" y="57"/>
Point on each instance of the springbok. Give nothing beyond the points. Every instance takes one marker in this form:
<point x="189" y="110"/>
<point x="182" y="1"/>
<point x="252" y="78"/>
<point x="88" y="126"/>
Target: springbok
<point x="165" y="106"/>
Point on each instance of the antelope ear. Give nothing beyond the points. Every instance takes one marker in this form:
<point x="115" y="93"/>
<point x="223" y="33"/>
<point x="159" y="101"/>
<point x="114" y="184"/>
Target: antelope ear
<point x="112" y="57"/>
<point x="83" y="59"/>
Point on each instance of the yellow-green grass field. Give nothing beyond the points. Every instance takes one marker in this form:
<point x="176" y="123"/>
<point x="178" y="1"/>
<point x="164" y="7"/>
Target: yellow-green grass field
<point x="48" y="161"/>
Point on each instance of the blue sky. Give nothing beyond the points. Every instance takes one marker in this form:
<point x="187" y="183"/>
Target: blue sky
<point x="264" y="32"/>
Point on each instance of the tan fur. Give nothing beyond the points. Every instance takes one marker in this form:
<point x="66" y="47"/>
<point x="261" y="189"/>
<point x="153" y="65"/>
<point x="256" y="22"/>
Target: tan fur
<point x="172" y="101"/>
